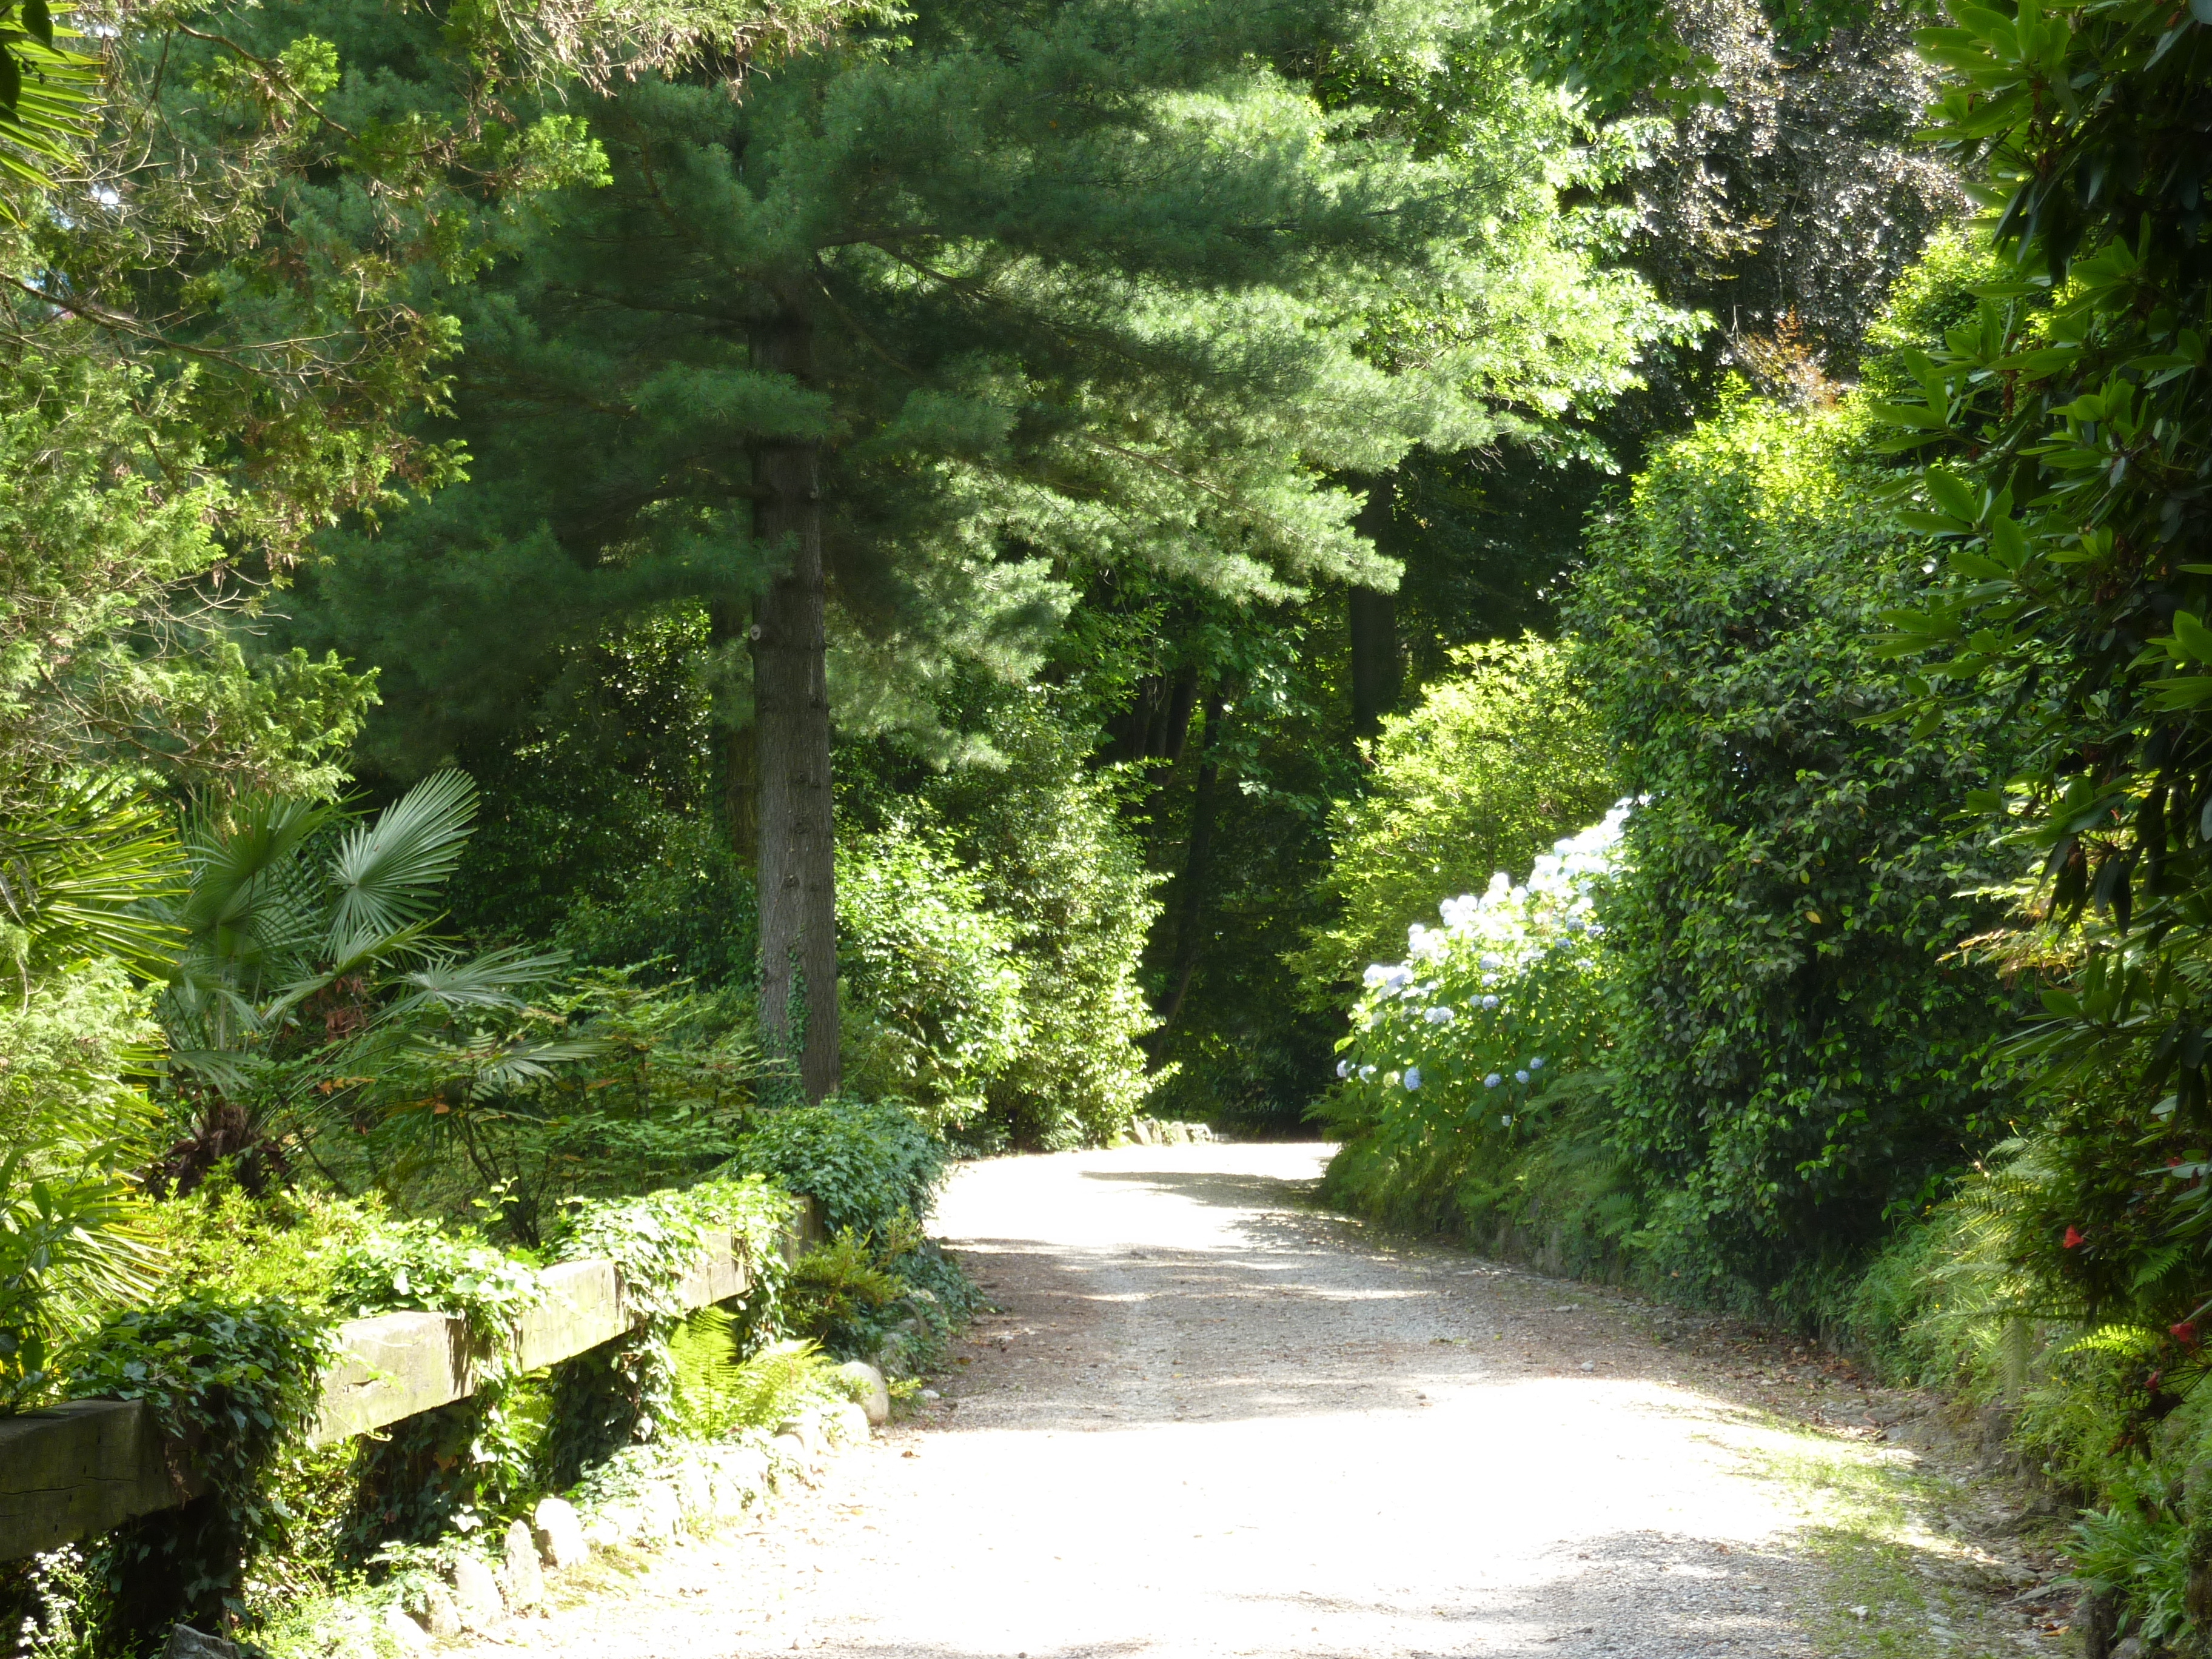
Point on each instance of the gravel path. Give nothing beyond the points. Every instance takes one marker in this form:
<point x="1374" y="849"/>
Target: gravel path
<point x="1207" y="1419"/>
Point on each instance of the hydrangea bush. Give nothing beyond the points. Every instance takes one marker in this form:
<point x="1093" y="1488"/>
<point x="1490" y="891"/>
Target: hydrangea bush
<point x="1460" y="1049"/>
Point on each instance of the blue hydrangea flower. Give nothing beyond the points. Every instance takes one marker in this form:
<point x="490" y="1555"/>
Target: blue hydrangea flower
<point x="1520" y="1077"/>
<point x="1412" y="1079"/>
<point x="1537" y="1064"/>
<point x="1492" y="1081"/>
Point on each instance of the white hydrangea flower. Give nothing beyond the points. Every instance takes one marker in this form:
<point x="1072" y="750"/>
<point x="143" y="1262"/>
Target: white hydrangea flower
<point x="1344" y="1068"/>
<point x="1439" y="1015"/>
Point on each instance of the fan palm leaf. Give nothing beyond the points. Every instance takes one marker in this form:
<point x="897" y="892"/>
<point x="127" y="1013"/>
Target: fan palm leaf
<point x="388" y="873"/>
<point x="252" y="913"/>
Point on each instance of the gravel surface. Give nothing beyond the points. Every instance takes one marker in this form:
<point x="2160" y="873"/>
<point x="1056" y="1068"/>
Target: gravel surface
<point x="1206" y="1419"/>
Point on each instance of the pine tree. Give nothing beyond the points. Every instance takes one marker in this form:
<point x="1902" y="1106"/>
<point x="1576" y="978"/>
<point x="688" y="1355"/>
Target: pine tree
<point x="917" y="331"/>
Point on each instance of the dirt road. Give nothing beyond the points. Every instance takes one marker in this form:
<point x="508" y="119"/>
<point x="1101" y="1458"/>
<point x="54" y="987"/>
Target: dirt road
<point x="1208" y="1420"/>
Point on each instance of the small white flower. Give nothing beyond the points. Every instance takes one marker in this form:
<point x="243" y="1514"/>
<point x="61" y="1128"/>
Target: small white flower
<point x="1412" y="1079"/>
<point x="1366" y="1073"/>
<point x="1344" y="1068"/>
<point x="1492" y="1081"/>
<point x="1489" y="1002"/>
<point x="1491" y="960"/>
<point x="1520" y="1077"/>
<point x="1505" y="1119"/>
<point x="106" y="195"/>
<point x="1439" y="1015"/>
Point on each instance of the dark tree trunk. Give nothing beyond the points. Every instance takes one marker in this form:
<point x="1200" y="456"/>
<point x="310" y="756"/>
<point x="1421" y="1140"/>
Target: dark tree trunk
<point x="791" y="726"/>
<point x="728" y="627"/>
<point x="1156" y="723"/>
<point x="1191" y="889"/>
<point x="1378" y="675"/>
<point x="1182" y="702"/>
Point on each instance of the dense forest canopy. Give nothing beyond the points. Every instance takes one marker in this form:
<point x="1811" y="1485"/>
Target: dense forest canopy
<point x="602" y="603"/>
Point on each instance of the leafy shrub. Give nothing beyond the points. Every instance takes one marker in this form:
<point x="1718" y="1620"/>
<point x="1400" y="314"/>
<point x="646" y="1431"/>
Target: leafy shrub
<point x="892" y="1297"/>
<point x="1802" y="1059"/>
<point x="1497" y="762"/>
<point x="1042" y="830"/>
<point x="931" y="995"/>
<point x="235" y="1382"/>
<point x="690" y="909"/>
<point x="864" y="1163"/>
<point x="1459" y="1055"/>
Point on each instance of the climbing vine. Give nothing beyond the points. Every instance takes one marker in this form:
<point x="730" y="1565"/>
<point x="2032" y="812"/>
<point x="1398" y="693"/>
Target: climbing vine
<point x="230" y="1385"/>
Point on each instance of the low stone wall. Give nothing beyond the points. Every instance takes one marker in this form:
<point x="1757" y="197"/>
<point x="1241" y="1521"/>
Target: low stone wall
<point x="1168" y="1132"/>
<point x="75" y="1470"/>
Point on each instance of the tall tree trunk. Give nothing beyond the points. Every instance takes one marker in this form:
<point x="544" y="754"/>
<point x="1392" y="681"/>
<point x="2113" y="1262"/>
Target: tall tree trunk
<point x="1377" y="674"/>
<point x="729" y="626"/>
<point x="1182" y="702"/>
<point x="791" y="725"/>
<point x="1191" y="890"/>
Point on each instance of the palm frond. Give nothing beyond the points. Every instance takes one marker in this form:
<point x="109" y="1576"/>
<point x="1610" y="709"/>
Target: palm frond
<point x="252" y="913"/>
<point x="85" y="878"/>
<point x="388" y="873"/>
<point x="495" y="1065"/>
<point x="496" y="979"/>
<point x="45" y="116"/>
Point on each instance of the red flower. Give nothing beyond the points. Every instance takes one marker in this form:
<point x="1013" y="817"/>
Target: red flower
<point x="2184" y="1334"/>
<point x="2074" y="1241"/>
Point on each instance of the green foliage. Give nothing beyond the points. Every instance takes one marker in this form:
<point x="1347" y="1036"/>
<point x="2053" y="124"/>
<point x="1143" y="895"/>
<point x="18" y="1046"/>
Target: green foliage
<point x="439" y="1466"/>
<point x="2068" y="426"/>
<point x="864" y="1163"/>
<point x="643" y="1086"/>
<point x="2132" y="1552"/>
<point x="234" y="1382"/>
<point x="840" y="1292"/>
<point x="2070" y="421"/>
<point x="1802" y="1057"/>
<point x="936" y="992"/>
<point x="103" y="658"/>
<point x="890" y="1296"/>
<point x="75" y="870"/>
<point x="1209" y="323"/>
<point x="721" y="1392"/>
<point x="1067" y="879"/>
<point x="310" y="997"/>
<point x="1495" y="764"/>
